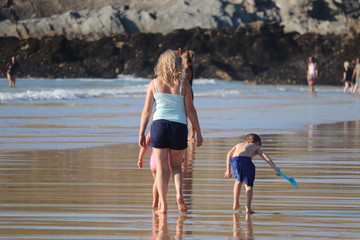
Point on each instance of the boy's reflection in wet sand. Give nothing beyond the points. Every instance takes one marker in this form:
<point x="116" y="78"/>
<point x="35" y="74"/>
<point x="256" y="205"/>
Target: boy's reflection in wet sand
<point x="237" y="231"/>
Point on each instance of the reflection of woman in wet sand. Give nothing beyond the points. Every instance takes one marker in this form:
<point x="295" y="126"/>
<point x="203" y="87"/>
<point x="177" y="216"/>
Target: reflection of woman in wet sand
<point x="160" y="226"/>
<point x="188" y="171"/>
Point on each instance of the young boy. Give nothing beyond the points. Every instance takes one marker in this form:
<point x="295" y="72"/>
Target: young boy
<point x="240" y="158"/>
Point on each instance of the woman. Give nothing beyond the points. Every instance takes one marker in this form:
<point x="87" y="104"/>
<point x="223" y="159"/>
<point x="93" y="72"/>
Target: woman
<point x="12" y="68"/>
<point x="188" y="59"/>
<point x="173" y="104"/>
<point x="312" y="74"/>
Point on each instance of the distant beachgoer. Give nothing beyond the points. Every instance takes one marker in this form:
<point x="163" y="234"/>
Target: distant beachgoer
<point x="171" y="96"/>
<point x="347" y="77"/>
<point x="239" y="158"/>
<point x="356" y="75"/>
<point x="312" y="74"/>
<point x="188" y="60"/>
<point x="12" y="68"/>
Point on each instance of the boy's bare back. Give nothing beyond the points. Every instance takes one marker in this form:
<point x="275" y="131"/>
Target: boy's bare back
<point x="246" y="149"/>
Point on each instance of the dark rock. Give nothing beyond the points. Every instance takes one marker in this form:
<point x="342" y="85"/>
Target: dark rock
<point x="258" y="53"/>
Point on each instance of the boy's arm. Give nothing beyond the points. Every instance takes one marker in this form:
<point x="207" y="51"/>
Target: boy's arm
<point x="268" y="160"/>
<point x="228" y="158"/>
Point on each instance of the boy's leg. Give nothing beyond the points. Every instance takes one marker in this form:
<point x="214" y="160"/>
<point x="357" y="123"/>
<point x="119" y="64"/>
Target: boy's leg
<point x="237" y="189"/>
<point x="249" y="195"/>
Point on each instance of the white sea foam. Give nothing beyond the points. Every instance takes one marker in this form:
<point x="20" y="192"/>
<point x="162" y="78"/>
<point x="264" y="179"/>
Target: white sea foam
<point x="130" y="87"/>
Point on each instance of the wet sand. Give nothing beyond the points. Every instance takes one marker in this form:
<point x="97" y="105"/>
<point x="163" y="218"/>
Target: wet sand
<point x="99" y="193"/>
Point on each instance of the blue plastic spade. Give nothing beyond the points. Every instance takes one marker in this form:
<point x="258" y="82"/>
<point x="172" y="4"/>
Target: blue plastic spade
<point x="291" y="180"/>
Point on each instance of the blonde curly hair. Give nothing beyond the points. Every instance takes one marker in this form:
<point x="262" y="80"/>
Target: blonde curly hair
<point x="170" y="68"/>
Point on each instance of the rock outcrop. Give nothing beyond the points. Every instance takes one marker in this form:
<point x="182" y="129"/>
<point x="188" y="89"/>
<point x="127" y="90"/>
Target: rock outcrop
<point x="92" y="20"/>
<point x="258" y="53"/>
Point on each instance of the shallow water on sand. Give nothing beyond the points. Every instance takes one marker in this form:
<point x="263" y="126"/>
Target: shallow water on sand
<point x="99" y="193"/>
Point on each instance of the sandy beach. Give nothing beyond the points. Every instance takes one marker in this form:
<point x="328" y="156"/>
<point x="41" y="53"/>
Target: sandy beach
<point x="99" y="193"/>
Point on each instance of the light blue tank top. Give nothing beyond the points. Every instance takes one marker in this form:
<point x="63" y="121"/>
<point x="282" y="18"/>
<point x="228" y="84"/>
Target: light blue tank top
<point x="169" y="106"/>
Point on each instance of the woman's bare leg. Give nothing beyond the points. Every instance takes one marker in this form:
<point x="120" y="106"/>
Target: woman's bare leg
<point x="346" y="87"/>
<point x="162" y="176"/>
<point x="176" y="159"/>
<point x="155" y="193"/>
<point x="9" y="79"/>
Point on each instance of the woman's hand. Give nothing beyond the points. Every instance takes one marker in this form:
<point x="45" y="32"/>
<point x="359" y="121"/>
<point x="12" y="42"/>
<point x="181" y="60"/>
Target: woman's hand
<point x="142" y="140"/>
<point x="199" y="140"/>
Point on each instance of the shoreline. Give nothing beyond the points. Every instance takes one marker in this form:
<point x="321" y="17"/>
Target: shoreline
<point x="270" y="133"/>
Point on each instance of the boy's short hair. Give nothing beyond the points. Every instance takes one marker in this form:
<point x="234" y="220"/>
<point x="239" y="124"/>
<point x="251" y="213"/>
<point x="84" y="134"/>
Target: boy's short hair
<point x="253" y="138"/>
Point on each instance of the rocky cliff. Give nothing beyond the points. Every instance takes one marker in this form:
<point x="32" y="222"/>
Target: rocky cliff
<point x="260" y="41"/>
<point x="92" y="20"/>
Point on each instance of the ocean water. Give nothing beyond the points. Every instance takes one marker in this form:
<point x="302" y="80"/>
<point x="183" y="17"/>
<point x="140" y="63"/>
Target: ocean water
<point x="72" y="113"/>
<point x="68" y="158"/>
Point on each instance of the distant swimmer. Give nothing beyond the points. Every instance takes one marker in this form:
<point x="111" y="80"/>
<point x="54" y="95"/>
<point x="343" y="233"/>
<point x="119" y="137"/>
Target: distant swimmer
<point x="239" y="158"/>
<point x="12" y="68"/>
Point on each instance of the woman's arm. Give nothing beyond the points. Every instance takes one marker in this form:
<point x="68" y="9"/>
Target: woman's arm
<point x="142" y="152"/>
<point x="191" y="112"/>
<point x="354" y="73"/>
<point x="146" y="114"/>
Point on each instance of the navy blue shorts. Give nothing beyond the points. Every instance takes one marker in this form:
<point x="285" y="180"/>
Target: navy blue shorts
<point x="168" y="134"/>
<point x="243" y="169"/>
